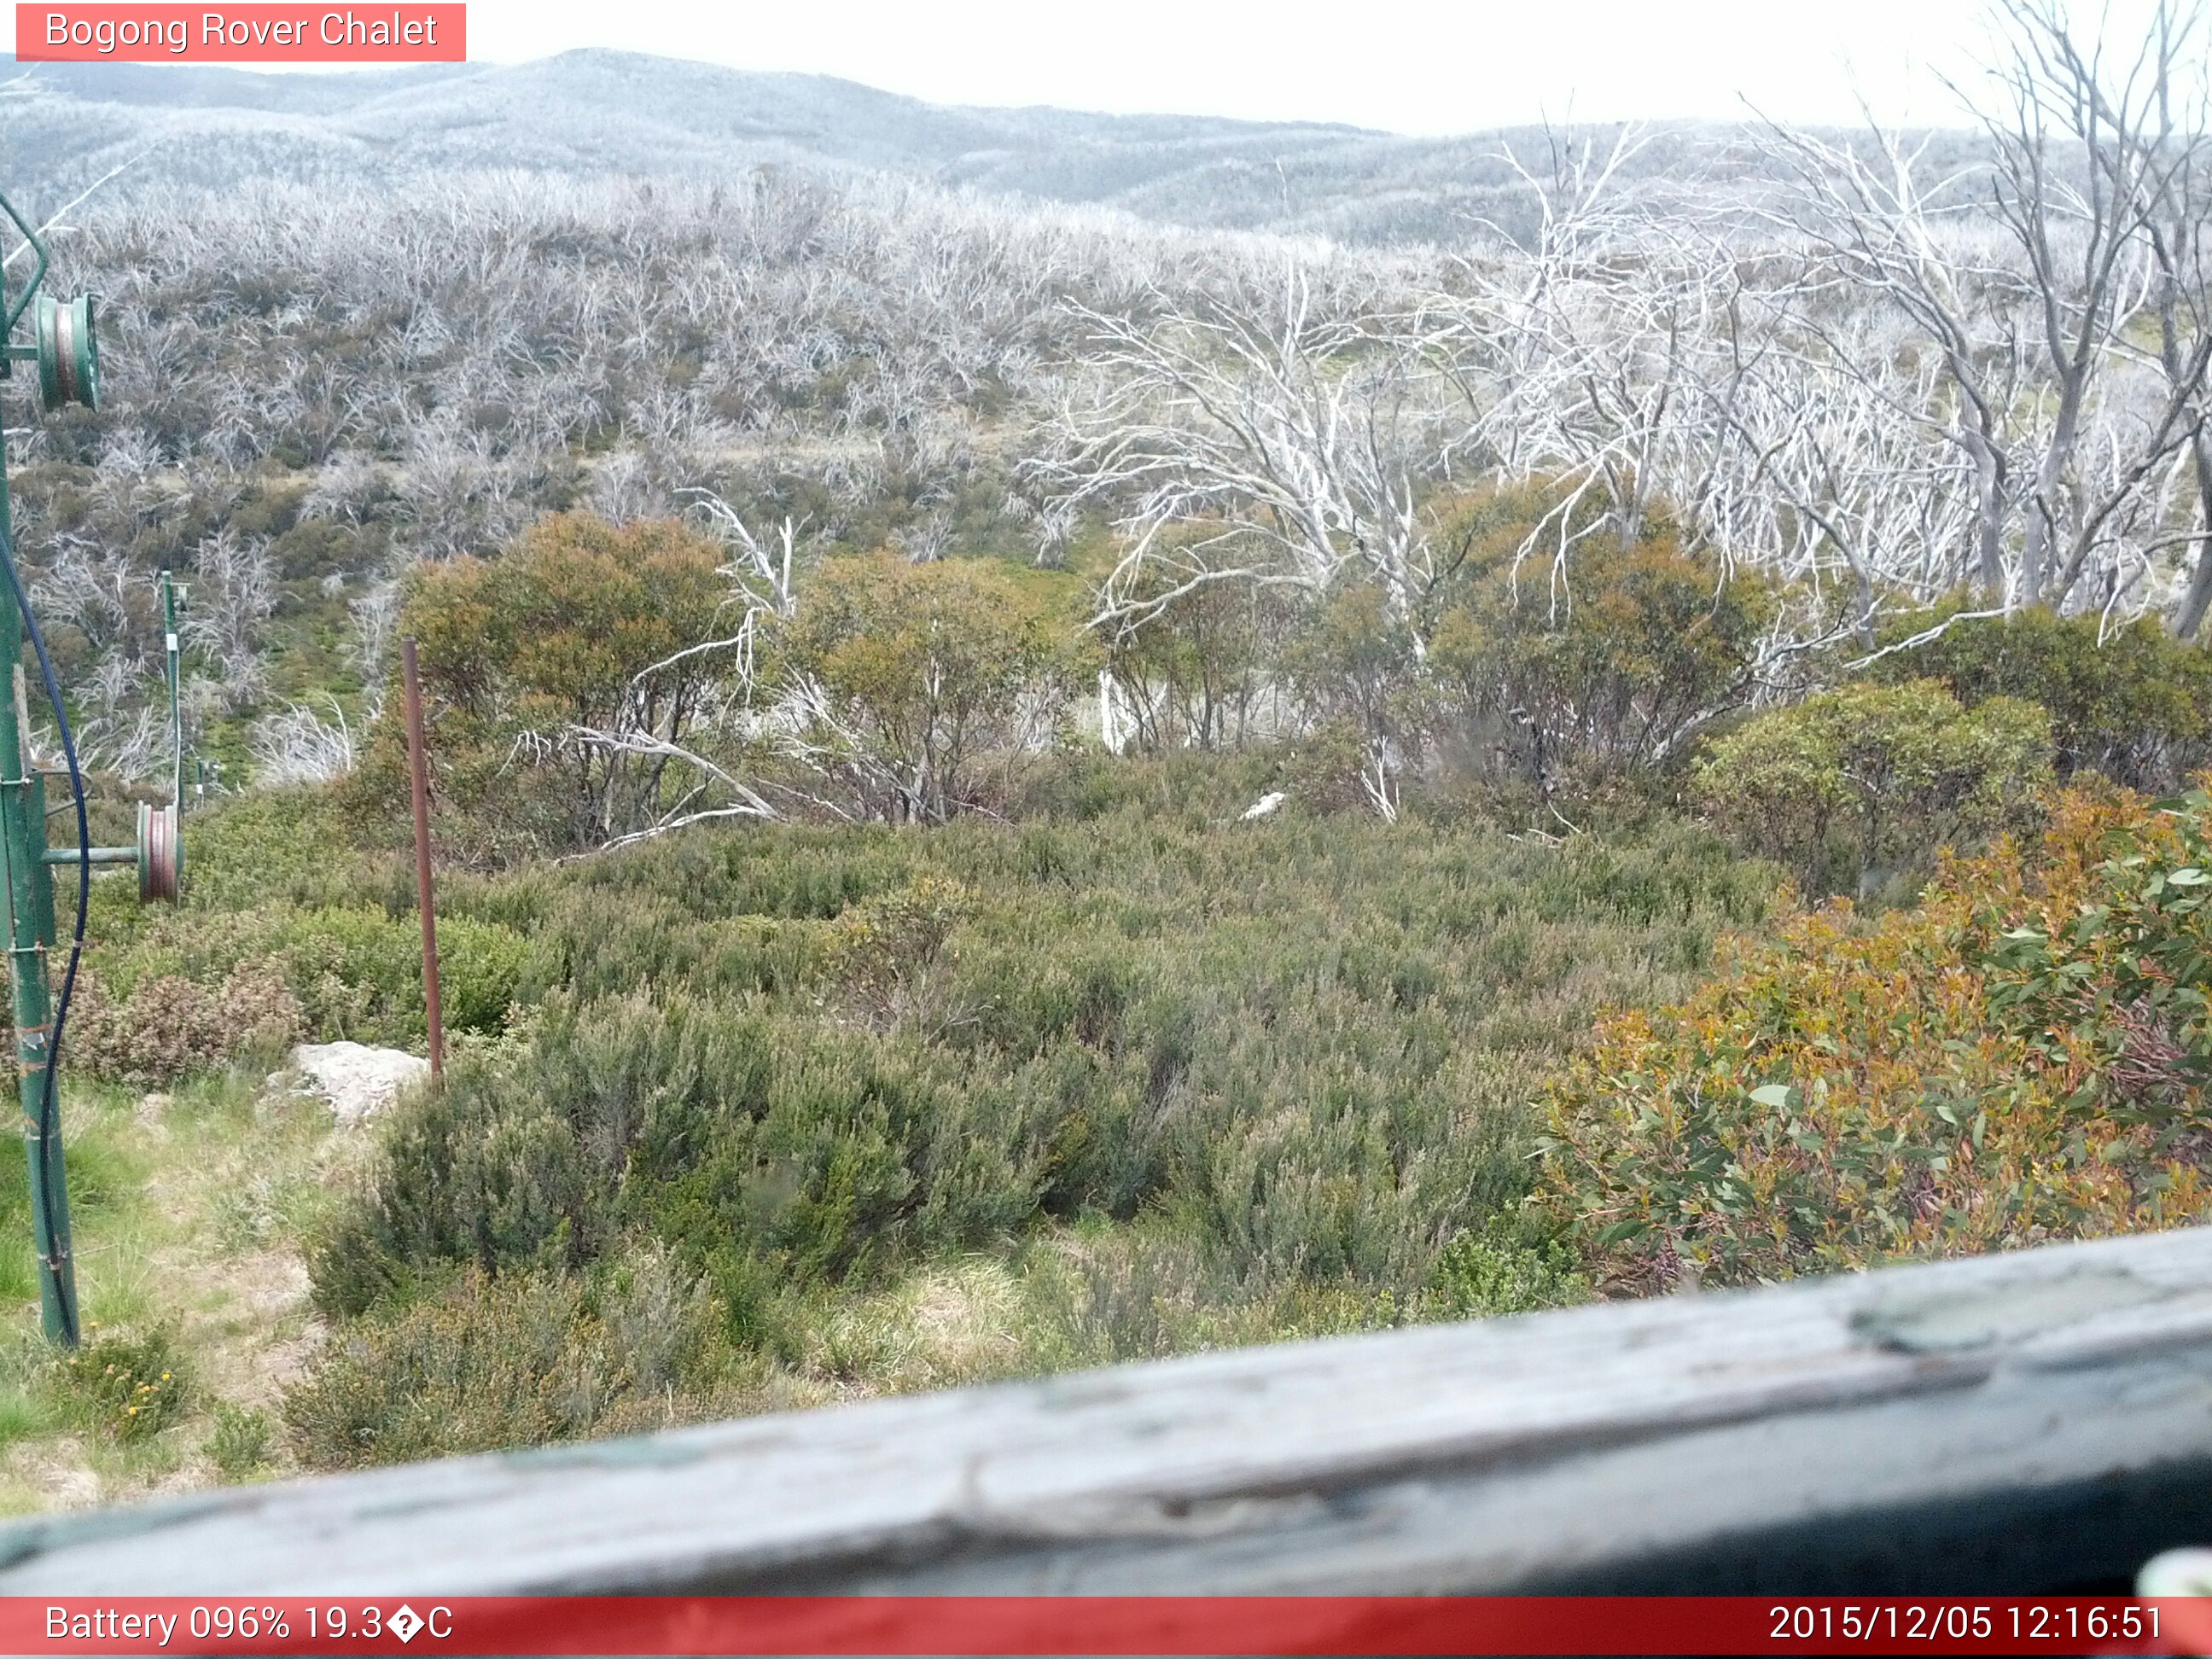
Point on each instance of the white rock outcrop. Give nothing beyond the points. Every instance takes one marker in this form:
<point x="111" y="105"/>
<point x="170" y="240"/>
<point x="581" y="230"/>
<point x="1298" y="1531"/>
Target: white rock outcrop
<point x="357" y="1080"/>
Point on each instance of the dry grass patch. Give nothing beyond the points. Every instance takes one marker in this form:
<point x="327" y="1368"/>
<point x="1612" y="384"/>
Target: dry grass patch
<point x="190" y="1209"/>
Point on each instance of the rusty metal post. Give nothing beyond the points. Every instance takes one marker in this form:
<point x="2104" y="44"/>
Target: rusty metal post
<point x="419" y="772"/>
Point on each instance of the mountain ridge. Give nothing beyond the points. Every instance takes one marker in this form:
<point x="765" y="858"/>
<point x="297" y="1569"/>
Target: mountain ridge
<point x="598" y="110"/>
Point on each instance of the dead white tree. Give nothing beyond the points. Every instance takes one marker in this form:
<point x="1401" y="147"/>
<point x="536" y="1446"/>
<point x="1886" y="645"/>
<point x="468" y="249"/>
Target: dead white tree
<point x="669" y="751"/>
<point x="1278" y="443"/>
<point x="375" y="617"/>
<point x="1631" y="358"/>
<point x="2085" y="159"/>
<point x="297" y="745"/>
<point x="1581" y="338"/>
<point x="2025" y="278"/>
<point x="232" y="601"/>
<point x="2177" y="222"/>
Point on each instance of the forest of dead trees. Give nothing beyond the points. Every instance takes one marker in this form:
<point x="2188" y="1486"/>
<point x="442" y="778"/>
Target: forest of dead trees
<point x="1894" y="382"/>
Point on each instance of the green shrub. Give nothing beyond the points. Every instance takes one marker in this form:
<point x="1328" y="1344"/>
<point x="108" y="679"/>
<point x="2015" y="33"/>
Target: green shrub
<point x="550" y="639"/>
<point x="350" y="971"/>
<point x="1868" y="780"/>
<point x="1143" y="1292"/>
<point x="769" y="1154"/>
<point x="1604" y="667"/>
<point x="1333" y="768"/>
<point x="291" y="846"/>
<point x="859" y="1050"/>
<point x="925" y="672"/>
<point x="241" y="1443"/>
<point x="1200" y="664"/>
<point x="880" y="947"/>
<point x="2132" y="704"/>
<point x="1354" y="665"/>
<point x="1495" y="1270"/>
<point x="480" y="965"/>
<point x="519" y="1360"/>
<point x="130" y="1387"/>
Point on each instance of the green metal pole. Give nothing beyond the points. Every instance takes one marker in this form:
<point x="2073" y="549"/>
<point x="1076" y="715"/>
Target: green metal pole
<point x="176" y="704"/>
<point x="22" y="846"/>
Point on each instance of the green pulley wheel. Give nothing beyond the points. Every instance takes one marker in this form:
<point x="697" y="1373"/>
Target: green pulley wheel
<point x="160" y="854"/>
<point x="69" y="352"/>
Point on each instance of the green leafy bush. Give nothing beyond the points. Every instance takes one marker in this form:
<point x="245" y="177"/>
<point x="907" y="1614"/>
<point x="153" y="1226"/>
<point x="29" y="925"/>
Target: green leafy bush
<point x="772" y="1155"/>
<point x="1195" y="672"/>
<point x="2020" y="1057"/>
<point x="292" y="846"/>
<point x="550" y="639"/>
<point x="1334" y="767"/>
<point x="1354" y="665"/>
<point x="351" y="972"/>
<point x="1496" y="1269"/>
<point x="925" y="672"/>
<point x="1603" y="666"/>
<point x="880" y="948"/>
<point x="2132" y="704"/>
<point x="1867" y="781"/>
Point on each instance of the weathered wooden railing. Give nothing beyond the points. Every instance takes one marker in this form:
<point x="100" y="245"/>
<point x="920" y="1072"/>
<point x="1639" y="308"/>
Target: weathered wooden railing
<point x="2031" y="1422"/>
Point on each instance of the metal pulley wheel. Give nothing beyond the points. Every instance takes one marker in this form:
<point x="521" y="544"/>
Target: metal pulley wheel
<point x="69" y="352"/>
<point x="160" y="854"/>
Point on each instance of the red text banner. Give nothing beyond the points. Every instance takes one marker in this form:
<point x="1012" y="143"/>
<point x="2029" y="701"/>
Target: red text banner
<point x="1182" y="1625"/>
<point x="261" y="34"/>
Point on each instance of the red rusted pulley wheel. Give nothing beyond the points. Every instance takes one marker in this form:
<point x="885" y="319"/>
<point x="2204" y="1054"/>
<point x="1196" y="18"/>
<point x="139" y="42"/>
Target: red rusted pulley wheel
<point x="160" y="854"/>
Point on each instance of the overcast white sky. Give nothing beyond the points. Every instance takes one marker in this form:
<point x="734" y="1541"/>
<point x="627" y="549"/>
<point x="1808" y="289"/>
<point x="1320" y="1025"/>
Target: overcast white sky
<point x="1421" y="66"/>
<point x="1425" y="66"/>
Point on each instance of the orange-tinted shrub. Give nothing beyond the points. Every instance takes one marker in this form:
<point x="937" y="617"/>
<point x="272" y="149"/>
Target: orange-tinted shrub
<point x="2021" y="1057"/>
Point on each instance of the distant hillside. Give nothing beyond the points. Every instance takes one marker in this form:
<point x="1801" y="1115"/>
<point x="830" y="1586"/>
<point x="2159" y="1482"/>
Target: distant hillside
<point x="594" y="112"/>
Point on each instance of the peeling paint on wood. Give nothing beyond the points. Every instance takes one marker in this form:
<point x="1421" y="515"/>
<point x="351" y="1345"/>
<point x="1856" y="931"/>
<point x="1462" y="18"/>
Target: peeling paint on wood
<point x="2029" y="1422"/>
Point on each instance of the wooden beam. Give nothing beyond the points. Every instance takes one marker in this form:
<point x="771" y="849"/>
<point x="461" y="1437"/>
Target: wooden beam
<point x="2026" y="1422"/>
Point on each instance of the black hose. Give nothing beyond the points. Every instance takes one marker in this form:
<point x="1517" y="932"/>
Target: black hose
<point x="55" y="1192"/>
